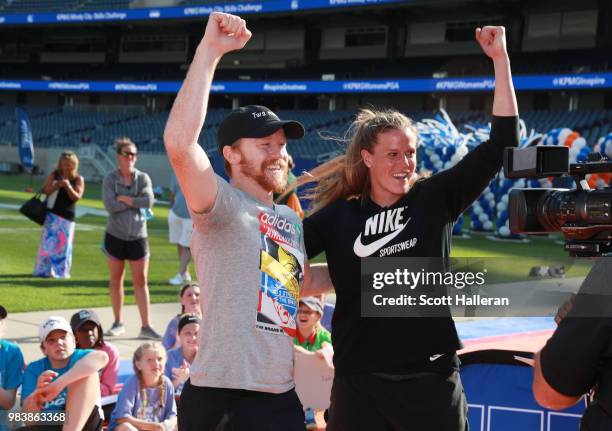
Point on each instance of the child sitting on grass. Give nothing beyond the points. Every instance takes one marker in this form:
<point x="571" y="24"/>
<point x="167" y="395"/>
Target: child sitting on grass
<point x="146" y="401"/>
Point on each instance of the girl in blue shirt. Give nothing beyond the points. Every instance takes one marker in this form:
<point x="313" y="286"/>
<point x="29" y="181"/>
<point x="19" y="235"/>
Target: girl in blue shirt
<point x="147" y="399"/>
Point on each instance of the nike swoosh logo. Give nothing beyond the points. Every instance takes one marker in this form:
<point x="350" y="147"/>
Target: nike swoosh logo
<point x="367" y="250"/>
<point x="434" y="357"/>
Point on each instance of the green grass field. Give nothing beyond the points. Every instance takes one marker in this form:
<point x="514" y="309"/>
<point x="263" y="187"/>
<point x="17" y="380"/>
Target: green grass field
<point x="19" y="240"/>
<point x="88" y="285"/>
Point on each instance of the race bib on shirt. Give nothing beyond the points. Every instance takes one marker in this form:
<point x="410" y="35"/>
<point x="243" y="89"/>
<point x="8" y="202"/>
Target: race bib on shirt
<point x="282" y="271"/>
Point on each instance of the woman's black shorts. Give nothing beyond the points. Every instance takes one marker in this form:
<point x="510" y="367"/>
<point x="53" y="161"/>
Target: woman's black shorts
<point x="125" y="250"/>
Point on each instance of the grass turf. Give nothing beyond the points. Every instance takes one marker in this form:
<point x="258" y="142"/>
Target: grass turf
<point x="19" y="239"/>
<point x="88" y="286"/>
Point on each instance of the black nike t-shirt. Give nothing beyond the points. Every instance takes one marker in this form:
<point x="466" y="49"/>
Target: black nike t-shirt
<point x="419" y="225"/>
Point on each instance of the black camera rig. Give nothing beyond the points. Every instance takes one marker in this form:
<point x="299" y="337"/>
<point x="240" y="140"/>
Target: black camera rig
<point x="582" y="215"/>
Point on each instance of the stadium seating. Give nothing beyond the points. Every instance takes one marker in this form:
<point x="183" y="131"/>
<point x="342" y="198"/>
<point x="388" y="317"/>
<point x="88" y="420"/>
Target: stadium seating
<point x="71" y="126"/>
<point x="38" y="5"/>
<point x="400" y="68"/>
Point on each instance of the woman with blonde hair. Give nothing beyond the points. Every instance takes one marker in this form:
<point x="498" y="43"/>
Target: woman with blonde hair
<point x="63" y="187"/>
<point x="399" y="373"/>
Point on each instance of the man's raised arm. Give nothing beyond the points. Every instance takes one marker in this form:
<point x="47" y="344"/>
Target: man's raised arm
<point x="224" y="33"/>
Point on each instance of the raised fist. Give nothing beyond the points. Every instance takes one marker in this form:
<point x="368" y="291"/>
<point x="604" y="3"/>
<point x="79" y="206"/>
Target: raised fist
<point x="492" y="40"/>
<point x="225" y="33"/>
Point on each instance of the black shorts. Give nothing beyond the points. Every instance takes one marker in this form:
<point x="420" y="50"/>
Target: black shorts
<point x="419" y="402"/>
<point x="211" y="409"/>
<point x="125" y="250"/>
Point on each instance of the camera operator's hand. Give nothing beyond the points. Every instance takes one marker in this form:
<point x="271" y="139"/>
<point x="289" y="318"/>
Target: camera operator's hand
<point x="225" y="33"/>
<point x="565" y="308"/>
<point x="492" y="40"/>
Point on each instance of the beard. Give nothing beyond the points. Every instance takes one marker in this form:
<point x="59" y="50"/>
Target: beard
<point x="276" y="183"/>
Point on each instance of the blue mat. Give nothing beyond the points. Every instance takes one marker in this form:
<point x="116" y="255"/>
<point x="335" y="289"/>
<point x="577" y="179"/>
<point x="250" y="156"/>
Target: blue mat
<point x="503" y="326"/>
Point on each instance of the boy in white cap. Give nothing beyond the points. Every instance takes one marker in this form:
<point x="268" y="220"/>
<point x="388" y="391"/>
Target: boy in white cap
<point x="66" y="379"/>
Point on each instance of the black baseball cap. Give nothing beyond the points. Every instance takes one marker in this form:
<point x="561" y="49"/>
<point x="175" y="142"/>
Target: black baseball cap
<point x="3" y="312"/>
<point x="255" y="121"/>
<point x="79" y="319"/>
<point x="186" y="319"/>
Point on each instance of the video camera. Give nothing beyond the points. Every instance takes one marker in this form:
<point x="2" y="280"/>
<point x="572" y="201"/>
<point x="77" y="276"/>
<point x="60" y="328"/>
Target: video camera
<point x="581" y="214"/>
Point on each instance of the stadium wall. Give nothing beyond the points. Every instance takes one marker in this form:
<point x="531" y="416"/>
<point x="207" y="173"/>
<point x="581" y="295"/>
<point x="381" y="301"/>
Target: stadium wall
<point x="156" y="165"/>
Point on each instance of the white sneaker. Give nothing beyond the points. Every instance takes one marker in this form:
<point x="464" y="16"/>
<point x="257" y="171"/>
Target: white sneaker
<point x="186" y="278"/>
<point x="177" y="280"/>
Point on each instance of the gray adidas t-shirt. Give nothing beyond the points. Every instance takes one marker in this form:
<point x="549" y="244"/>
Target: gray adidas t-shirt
<point x="250" y="263"/>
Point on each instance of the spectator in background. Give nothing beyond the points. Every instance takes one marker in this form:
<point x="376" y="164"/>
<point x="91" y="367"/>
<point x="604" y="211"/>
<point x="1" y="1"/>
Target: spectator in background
<point x="87" y="331"/>
<point x="127" y="194"/>
<point x="63" y="187"/>
<point x="146" y="401"/>
<point x="190" y="303"/>
<point x="290" y="196"/>
<point x="65" y="379"/>
<point x="181" y="358"/>
<point x="311" y="335"/>
<point x="179" y="231"/>
<point x="11" y="372"/>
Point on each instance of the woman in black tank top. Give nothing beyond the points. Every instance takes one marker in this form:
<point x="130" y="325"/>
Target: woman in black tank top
<point x="63" y="187"/>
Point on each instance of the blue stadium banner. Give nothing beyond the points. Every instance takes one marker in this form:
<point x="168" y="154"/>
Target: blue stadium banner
<point x="184" y="12"/>
<point x="24" y="139"/>
<point x="446" y="85"/>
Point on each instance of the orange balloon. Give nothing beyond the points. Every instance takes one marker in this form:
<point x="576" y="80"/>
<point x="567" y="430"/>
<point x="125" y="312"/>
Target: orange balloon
<point x="606" y="177"/>
<point x="569" y="141"/>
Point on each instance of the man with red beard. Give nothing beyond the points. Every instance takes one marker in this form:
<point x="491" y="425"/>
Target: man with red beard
<point x="249" y="254"/>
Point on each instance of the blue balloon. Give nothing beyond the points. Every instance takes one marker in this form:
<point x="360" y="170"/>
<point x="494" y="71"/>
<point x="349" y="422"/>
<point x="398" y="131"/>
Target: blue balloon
<point x="583" y="154"/>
